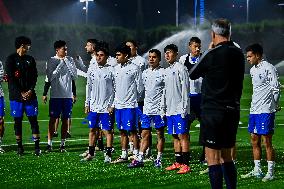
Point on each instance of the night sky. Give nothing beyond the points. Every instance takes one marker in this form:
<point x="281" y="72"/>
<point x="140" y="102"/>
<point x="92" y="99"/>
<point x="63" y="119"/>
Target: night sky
<point x="123" y="12"/>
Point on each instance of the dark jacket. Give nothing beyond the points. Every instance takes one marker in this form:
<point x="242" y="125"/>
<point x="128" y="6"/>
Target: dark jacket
<point x="22" y="75"/>
<point x="222" y="69"/>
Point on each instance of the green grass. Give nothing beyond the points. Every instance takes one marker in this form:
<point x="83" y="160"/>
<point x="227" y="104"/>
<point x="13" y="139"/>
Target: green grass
<point x="56" y="170"/>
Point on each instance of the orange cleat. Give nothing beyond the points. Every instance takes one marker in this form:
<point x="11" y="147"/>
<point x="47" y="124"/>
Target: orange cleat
<point x="184" y="169"/>
<point x="174" y="166"/>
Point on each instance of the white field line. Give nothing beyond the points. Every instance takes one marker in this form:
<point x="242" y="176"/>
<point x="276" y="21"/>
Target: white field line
<point x="73" y="140"/>
<point x="42" y="120"/>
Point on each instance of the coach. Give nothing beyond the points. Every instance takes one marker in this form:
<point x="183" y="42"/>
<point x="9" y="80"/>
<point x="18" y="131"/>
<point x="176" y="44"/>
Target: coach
<point x="222" y="69"/>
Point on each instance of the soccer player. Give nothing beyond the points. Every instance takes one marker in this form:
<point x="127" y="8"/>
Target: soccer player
<point x="22" y="77"/>
<point x="82" y="70"/>
<point x="176" y="104"/>
<point x="99" y="103"/>
<point x="128" y="87"/>
<point x="60" y="71"/>
<point x="2" y="108"/>
<point x="142" y="64"/>
<point x="189" y="60"/>
<point x="222" y="70"/>
<point x="264" y="104"/>
<point x="153" y="80"/>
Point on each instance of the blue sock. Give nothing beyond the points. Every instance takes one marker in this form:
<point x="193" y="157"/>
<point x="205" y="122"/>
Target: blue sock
<point x="230" y="175"/>
<point x="216" y="176"/>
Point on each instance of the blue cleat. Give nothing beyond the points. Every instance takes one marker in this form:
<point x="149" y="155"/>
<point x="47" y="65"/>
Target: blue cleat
<point x="135" y="163"/>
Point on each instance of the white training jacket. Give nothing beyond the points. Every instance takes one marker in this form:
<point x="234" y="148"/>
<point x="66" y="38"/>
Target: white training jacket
<point x="60" y="73"/>
<point x="175" y="98"/>
<point x="1" y="79"/>
<point x="100" y="88"/>
<point x="142" y="63"/>
<point x="154" y="84"/>
<point x="128" y="85"/>
<point x="266" y="88"/>
<point x="195" y="85"/>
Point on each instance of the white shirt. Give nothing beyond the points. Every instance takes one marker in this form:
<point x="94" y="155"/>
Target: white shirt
<point x="154" y="85"/>
<point x="175" y="98"/>
<point x="266" y="88"/>
<point x="128" y="85"/>
<point x="195" y="85"/>
<point x="100" y="88"/>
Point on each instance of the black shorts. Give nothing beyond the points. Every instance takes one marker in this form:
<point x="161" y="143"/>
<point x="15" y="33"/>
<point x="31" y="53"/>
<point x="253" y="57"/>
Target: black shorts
<point x="218" y="128"/>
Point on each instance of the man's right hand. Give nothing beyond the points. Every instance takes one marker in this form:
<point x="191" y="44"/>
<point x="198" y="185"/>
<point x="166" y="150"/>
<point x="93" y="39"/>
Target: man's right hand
<point x="87" y="109"/>
<point x="44" y="99"/>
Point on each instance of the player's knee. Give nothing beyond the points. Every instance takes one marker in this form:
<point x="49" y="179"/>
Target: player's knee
<point x="1" y="121"/>
<point x="34" y="124"/>
<point x="145" y="133"/>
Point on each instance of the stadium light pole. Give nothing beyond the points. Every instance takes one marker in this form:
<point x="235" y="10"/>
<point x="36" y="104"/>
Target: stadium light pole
<point x="86" y="8"/>
<point x="247" y="11"/>
<point x="176" y="13"/>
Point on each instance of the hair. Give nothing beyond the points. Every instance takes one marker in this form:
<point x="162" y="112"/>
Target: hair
<point x="194" y="39"/>
<point x="93" y="41"/>
<point x="221" y="27"/>
<point x="58" y="44"/>
<point x="158" y="53"/>
<point x="133" y="42"/>
<point x="102" y="46"/>
<point x="255" y="49"/>
<point x="22" y="40"/>
<point x="124" y="49"/>
<point x="172" y="47"/>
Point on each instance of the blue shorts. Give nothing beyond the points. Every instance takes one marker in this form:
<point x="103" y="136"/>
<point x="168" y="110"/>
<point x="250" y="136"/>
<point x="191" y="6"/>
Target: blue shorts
<point x="100" y="120"/>
<point x="60" y="106"/>
<point x="2" y="106"/>
<point x="126" y="119"/>
<point x="261" y="124"/>
<point x="177" y="124"/>
<point x="29" y="107"/>
<point x="195" y="104"/>
<point x="146" y="121"/>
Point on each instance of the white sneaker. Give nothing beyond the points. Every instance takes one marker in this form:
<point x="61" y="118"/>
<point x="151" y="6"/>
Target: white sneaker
<point x="205" y="171"/>
<point x="257" y="174"/>
<point x="88" y="158"/>
<point x="268" y="177"/>
<point x="1" y="150"/>
<point x="149" y="158"/>
<point x="107" y="159"/>
<point x="84" y="154"/>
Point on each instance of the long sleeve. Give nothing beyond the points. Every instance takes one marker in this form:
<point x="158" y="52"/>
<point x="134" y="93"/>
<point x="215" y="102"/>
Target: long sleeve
<point x="46" y="88"/>
<point x="1" y="71"/>
<point x="52" y="70"/>
<point x="71" y="68"/>
<point x="88" y="90"/>
<point x="80" y="64"/>
<point x="74" y="88"/>
<point x="163" y="106"/>
<point x="34" y="76"/>
<point x="274" y="83"/>
<point x="183" y="74"/>
<point x="139" y="83"/>
<point x="9" y="68"/>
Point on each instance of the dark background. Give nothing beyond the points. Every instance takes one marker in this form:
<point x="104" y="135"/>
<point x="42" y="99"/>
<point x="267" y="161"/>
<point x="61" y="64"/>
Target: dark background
<point x="123" y="12"/>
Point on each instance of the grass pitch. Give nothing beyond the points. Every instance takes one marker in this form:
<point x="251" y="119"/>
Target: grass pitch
<point x="57" y="170"/>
